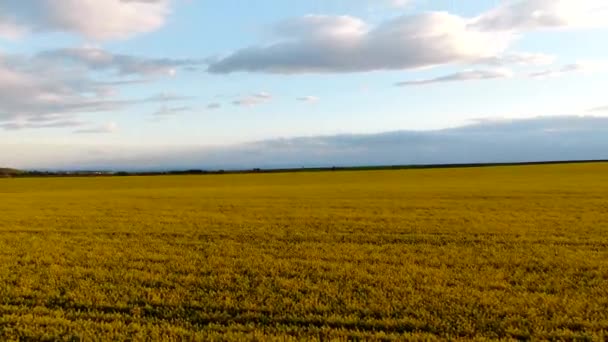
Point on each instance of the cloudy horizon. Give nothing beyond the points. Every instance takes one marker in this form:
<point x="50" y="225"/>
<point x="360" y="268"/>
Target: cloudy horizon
<point x="146" y="84"/>
<point x="560" y="138"/>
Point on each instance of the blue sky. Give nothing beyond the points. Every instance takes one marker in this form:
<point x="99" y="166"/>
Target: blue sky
<point x="151" y="75"/>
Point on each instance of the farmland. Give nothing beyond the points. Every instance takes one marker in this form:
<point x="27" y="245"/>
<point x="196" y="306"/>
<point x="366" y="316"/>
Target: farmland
<point x="474" y="254"/>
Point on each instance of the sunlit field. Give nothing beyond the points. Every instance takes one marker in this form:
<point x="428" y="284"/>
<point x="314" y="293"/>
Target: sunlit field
<point x="472" y="254"/>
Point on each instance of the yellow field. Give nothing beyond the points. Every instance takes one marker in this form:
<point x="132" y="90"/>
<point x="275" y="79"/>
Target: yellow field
<point x="481" y="253"/>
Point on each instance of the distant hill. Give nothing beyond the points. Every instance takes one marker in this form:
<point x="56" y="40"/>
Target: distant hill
<point x="6" y="172"/>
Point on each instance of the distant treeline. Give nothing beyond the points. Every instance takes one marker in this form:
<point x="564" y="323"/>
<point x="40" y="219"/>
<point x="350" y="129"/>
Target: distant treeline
<point x="12" y="173"/>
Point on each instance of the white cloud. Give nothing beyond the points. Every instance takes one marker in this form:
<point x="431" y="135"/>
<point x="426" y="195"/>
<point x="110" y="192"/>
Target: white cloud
<point x="166" y="110"/>
<point x="324" y="27"/>
<point x="321" y="44"/>
<point x="599" y="109"/>
<point x="578" y="67"/>
<point x="253" y="100"/>
<point x="10" y="30"/>
<point x="121" y="64"/>
<point x="167" y="97"/>
<point x="308" y="99"/>
<point x="28" y="92"/>
<point x="334" y="44"/>
<point x="529" y="15"/>
<point x="37" y="124"/>
<point x="535" y="139"/>
<point x="399" y="3"/>
<point x="95" y="19"/>
<point x="467" y="75"/>
<point x="519" y="58"/>
<point x="109" y="127"/>
<point x="383" y="5"/>
<point x="264" y="95"/>
<point x="43" y="93"/>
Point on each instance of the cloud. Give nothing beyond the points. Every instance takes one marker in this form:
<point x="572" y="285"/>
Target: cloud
<point x="326" y="44"/>
<point x="253" y="100"/>
<point x="51" y="85"/>
<point x="44" y="94"/>
<point x="263" y="95"/>
<point x="531" y="15"/>
<point x="20" y="125"/>
<point x="585" y="67"/>
<point x="398" y="3"/>
<point x="10" y="30"/>
<point x="374" y="6"/>
<point x="171" y="111"/>
<point x="124" y="65"/>
<point x="167" y="97"/>
<point x="308" y="99"/>
<point x="29" y="91"/>
<point x="214" y="105"/>
<point x="94" y="19"/>
<point x="599" y="109"/>
<point x="341" y="44"/>
<point x="109" y="127"/>
<point x="521" y="140"/>
<point x="520" y="58"/>
<point x="467" y="75"/>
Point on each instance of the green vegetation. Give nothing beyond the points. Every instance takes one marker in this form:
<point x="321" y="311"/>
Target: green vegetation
<point x="472" y="254"/>
<point x="5" y="172"/>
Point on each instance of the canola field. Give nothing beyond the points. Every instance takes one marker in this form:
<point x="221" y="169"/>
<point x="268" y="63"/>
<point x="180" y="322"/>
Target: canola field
<point x="497" y="253"/>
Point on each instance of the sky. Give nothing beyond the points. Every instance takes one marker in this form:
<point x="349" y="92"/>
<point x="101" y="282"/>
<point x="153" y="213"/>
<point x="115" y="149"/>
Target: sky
<point x="160" y="84"/>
